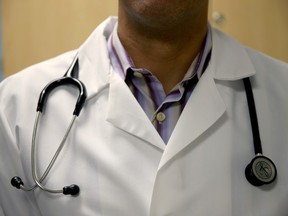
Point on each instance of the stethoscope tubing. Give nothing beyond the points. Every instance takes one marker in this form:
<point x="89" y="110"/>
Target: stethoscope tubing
<point x="50" y="165"/>
<point x="253" y="116"/>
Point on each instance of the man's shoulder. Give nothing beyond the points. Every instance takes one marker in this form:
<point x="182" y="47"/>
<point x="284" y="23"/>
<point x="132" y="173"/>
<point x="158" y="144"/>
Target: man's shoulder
<point x="265" y="62"/>
<point x="44" y="70"/>
<point x="260" y="61"/>
<point x="32" y="79"/>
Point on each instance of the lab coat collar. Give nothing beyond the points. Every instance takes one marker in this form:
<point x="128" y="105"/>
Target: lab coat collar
<point x="94" y="63"/>
<point x="93" y="56"/>
<point x="227" y="65"/>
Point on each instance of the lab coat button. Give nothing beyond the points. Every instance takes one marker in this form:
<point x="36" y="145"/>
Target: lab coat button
<point x="160" y="117"/>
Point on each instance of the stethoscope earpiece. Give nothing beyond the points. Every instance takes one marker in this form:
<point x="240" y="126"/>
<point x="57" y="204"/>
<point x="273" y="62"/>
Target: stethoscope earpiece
<point x="72" y="190"/>
<point x="261" y="171"/>
<point x="16" y="181"/>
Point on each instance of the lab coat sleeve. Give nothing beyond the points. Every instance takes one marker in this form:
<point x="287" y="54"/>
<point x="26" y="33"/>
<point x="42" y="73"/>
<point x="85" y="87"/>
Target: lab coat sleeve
<point x="12" y="201"/>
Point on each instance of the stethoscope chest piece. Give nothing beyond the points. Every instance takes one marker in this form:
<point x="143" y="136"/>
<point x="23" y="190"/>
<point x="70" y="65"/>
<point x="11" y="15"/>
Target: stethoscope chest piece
<point x="261" y="171"/>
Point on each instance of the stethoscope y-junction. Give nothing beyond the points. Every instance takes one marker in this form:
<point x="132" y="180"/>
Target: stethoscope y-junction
<point x="261" y="170"/>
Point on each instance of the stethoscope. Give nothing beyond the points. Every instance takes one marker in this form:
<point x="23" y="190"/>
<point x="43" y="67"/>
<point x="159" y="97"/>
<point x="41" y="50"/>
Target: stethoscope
<point x="69" y="78"/>
<point x="260" y="171"/>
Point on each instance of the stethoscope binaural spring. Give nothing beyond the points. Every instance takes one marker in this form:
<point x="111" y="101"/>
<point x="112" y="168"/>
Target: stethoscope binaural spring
<point x="260" y="171"/>
<point x="69" y="78"/>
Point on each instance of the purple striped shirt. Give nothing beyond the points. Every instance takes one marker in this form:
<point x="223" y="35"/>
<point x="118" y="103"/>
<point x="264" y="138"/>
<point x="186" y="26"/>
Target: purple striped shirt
<point x="163" y="110"/>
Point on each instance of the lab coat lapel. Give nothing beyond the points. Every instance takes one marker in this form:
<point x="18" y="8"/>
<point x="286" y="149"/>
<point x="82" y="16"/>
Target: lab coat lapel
<point x="204" y="107"/>
<point x="125" y="113"/>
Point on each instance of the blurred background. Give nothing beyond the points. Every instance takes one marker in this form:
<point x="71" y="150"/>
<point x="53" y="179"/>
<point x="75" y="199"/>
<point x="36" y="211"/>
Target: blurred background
<point x="34" y="30"/>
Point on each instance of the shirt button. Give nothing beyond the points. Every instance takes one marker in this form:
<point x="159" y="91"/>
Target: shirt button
<point x="160" y="117"/>
<point x="138" y="74"/>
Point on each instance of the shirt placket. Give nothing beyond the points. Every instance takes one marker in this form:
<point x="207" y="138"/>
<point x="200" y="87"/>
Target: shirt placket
<point x="163" y="110"/>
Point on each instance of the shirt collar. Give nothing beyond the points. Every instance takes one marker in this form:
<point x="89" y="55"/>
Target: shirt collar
<point x="120" y="59"/>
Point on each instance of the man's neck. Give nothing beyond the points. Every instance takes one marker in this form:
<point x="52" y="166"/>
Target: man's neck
<point x="167" y="53"/>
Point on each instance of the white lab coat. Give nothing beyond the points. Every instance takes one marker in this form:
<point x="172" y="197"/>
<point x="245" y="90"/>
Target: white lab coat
<point x="118" y="159"/>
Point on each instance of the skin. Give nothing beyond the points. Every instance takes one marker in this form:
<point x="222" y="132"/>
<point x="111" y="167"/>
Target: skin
<point x="163" y="36"/>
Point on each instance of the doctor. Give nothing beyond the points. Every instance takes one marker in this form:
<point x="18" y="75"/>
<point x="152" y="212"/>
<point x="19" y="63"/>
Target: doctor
<point x="165" y="129"/>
